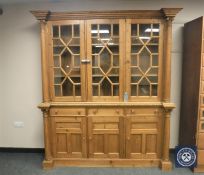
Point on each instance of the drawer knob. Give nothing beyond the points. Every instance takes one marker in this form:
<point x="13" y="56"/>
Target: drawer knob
<point x="117" y="111"/>
<point x="132" y="111"/>
<point x="56" y="112"/>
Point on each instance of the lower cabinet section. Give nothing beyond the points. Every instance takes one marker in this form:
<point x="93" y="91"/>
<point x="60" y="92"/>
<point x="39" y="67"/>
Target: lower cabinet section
<point x="106" y="133"/>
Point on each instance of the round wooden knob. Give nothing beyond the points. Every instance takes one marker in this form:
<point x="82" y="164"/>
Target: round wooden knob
<point x="56" y="112"/>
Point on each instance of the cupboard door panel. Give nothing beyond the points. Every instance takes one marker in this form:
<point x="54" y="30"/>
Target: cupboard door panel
<point x="66" y="52"/>
<point x="70" y="137"/>
<point x="105" y="45"/>
<point x="143" y="136"/>
<point x="105" y="137"/>
<point x="143" y="59"/>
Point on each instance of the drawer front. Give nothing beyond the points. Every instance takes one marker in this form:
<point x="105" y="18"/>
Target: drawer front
<point x="67" y="111"/>
<point x="200" y="157"/>
<point x="105" y="112"/>
<point x="142" y="111"/>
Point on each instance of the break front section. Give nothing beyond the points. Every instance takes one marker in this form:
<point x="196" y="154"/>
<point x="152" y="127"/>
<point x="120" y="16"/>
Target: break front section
<point x="106" y="78"/>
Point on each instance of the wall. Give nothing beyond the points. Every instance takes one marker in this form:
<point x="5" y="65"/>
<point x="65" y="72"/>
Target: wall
<point x="20" y="69"/>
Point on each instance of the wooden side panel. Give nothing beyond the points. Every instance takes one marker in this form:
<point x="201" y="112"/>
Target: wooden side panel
<point x="190" y="82"/>
<point x="70" y="137"/>
<point x="143" y="134"/>
<point x="105" y="136"/>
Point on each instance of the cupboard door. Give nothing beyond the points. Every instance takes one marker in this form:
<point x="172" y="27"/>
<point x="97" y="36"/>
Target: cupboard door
<point x="143" y="136"/>
<point x="105" y="137"/>
<point x="70" y="137"/>
<point x="105" y="50"/>
<point x="66" y="54"/>
<point x="143" y="59"/>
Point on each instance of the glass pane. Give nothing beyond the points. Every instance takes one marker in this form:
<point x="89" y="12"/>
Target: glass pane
<point x="134" y="60"/>
<point x="56" y="61"/>
<point x="135" y="79"/>
<point x="76" y="60"/>
<point x="133" y="90"/>
<point x="94" y="30"/>
<point x="144" y="60"/>
<point x="94" y="60"/>
<point x="114" y="79"/>
<point x="76" y="31"/>
<point x="58" y="76"/>
<point x="134" y="30"/>
<point x="154" y="60"/>
<point x="95" y="90"/>
<point x="74" y="49"/>
<point x="66" y="61"/>
<point x="114" y="49"/>
<point x="105" y="88"/>
<point x="57" y="50"/>
<point x="105" y="60"/>
<point x="154" y="90"/>
<point x="144" y="88"/>
<point x="136" y="48"/>
<point x="152" y="48"/>
<point x="55" y="31"/>
<point x="115" y="29"/>
<point x="104" y="30"/>
<point x="57" y="90"/>
<point x="67" y="88"/>
<point x="145" y="30"/>
<point x="74" y="42"/>
<point x="77" y="90"/>
<point x="153" y="79"/>
<point x="155" y="30"/>
<point x="115" y="90"/>
<point x="115" y="60"/>
<point x="66" y="33"/>
<point x="97" y="79"/>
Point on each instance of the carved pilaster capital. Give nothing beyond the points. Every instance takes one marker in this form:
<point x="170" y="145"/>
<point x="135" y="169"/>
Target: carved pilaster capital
<point x="45" y="107"/>
<point x="170" y="13"/>
<point x="168" y="107"/>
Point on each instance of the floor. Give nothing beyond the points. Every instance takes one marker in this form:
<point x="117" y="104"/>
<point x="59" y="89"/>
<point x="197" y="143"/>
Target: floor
<point x="30" y="164"/>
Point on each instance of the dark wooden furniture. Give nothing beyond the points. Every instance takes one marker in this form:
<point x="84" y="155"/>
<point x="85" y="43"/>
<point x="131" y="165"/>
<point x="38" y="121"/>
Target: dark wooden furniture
<point x="192" y="105"/>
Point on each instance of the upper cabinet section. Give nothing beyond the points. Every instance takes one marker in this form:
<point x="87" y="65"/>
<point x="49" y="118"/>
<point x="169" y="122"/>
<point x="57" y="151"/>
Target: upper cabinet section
<point x="105" y="56"/>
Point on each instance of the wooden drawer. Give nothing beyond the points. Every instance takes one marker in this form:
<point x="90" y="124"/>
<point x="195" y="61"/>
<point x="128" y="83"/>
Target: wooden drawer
<point x="200" y="157"/>
<point x="201" y="141"/>
<point x="142" y="111"/>
<point x="67" y="111"/>
<point x="105" y="112"/>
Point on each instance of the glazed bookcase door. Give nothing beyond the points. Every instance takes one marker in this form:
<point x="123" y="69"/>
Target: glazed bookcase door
<point x="66" y="53"/>
<point x="143" y="59"/>
<point x="105" y="47"/>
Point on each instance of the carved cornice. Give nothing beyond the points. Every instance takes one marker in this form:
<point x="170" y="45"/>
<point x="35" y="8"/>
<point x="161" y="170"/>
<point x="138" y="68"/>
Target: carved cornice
<point x="170" y="13"/>
<point x="119" y="14"/>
